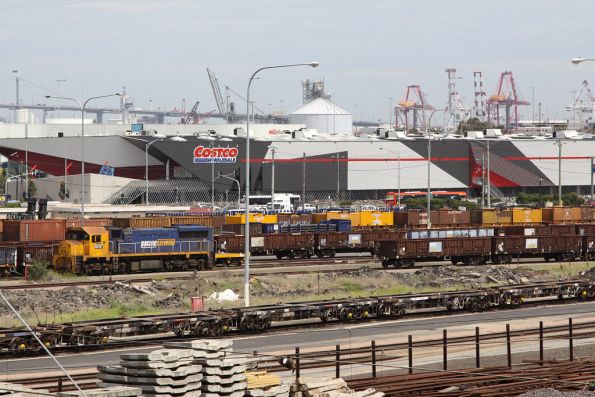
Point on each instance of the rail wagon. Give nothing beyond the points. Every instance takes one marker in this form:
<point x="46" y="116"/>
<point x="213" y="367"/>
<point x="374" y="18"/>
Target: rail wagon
<point x="406" y="252"/>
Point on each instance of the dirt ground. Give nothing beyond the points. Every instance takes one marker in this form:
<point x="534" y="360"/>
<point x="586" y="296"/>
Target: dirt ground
<point x="160" y="296"/>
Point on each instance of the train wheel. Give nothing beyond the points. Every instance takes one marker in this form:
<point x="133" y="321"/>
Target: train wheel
<point x="385" y="263"/>
<point x="454" y="261"/>
<point x="319" y="254"/>
<point x="397" y="310"/>
<point x="332" y="254"/>
<point x="345" y="314"/>
<point x="18" y="345"/>
<point x="243" y="324"/>
<point x="279" y="256"/>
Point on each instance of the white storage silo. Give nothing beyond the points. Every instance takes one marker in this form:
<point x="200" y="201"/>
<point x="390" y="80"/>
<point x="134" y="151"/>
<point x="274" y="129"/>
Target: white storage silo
<point x="325" y="116"/>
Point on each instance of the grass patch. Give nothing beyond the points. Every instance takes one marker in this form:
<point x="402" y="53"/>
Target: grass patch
<point x="562" y="270"/>
<point x="116" y="310"/>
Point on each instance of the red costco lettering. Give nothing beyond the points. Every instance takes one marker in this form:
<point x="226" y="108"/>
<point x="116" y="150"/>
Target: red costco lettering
<point x="205" y="152"/>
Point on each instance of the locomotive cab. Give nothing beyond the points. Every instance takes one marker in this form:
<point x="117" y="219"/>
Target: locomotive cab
<point x="82" y="248"/>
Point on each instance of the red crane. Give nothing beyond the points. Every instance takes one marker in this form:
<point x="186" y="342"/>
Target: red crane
<point x="507" y="96"/>
<point x="414" y="102"/>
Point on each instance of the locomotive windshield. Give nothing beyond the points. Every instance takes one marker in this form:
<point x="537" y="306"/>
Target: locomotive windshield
<point x="76" y="235"/>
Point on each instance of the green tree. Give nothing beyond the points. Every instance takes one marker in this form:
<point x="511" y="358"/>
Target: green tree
<point x="572" y="199"/>
<point x="473" y="124"/>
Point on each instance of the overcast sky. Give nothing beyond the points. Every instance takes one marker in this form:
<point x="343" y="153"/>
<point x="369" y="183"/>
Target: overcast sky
<point x="368" y="50"/>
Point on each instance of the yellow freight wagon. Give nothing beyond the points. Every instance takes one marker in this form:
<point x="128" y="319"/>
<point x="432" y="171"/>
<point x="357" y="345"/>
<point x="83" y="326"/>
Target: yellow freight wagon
<point x="254" y="218"/>
<point x="371" y="218"/>
<point x="526" y="215"/>
<point x="319" y="217"/>
<point x="387" y="218"/>
<point x="504" y="217"/>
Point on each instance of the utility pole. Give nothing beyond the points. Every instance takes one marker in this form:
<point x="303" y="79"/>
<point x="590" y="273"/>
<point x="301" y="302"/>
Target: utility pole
<point x="399" y="179"/>
<point x="390" y="113"/>
<point x="532" y="106"/>
<point x="539" y="113"/>
<point x="592" y="172"/>
<point x="483" y="181"/>
<point x="338" y="178"/>
<point x="488" y="179"/>
<point x="303" y="181"/>
<point x="273" y="178"/>
<point x="559" y="143"/>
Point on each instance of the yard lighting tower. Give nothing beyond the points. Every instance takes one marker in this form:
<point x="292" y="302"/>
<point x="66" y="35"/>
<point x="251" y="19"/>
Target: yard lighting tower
<point x="247" y="177"/>
<point x="83" y="106"/>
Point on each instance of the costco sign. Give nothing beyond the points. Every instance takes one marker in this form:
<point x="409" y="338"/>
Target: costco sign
<point x="204" y="154"/>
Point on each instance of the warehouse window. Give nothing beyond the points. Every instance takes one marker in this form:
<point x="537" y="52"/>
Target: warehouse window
<point x="96" y="238"/>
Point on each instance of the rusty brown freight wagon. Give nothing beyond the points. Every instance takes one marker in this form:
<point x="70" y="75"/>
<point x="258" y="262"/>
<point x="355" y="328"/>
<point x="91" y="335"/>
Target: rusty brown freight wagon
<point x="560" y="248"/>
<point x="407" y="252"/>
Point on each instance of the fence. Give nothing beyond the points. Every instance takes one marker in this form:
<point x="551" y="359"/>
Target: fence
<point x="378" y="356"/>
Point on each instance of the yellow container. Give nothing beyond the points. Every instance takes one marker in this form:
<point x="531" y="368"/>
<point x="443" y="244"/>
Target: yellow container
<point x="522" y="216"/>
<point x="371" y="218"/>
<point x="319" y="217"/>
<point x="536" y="216"/>
<point x="355" y="218"/>
<point x="488" y="217"/>
<point x="504" y="217"/>
<point x="337" y="215"/>
<point x="254" y="218"/>
<point x="387" y="219"/>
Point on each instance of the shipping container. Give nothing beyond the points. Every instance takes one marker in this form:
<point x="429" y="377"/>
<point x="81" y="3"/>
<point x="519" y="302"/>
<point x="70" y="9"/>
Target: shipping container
<point x="526" y="216"/>
<point x="255" y="228"/>
<point x="142" y="222"/>
<point x="34" y="230"/>
<point x="91" y="222"/>
<point x="254" y="218"/>
<point x="387" y="218"/>
<point x="486" y="216"/>
<point x="415" y="218"/>
<point x="453" y="218"/>
<point x="557" y="215"/>
<point x="576" y="214"/>
<point x="284" y="218"/>
<point x="192" y="220"/>
<point x="301" y="218"/>
<point x="504" y="217"/>
<point x="587" y="214"/>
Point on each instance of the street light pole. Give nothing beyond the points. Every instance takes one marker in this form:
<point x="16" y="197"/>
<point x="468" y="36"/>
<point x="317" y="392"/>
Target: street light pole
<point x="592" y="172"/>
<point x="273" y="178"/>
<point x="559" y="143"/>
<point x="220" y="175"/>
<point x="398" y="174"/>
<point x="247" y="177"/>
<point x="338" y="178"/>
<point x="428" y="209"/>
<point x="83" y="106"/>
<point x="488" y="179"/>
<point x="390" y="112"/>
<point x="147" y="146"/>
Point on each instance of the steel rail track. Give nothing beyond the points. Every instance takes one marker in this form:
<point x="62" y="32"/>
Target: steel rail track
<point x="148" y="340"/>
<point x="188" y="275"/>
<point x="319" y="359"/>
